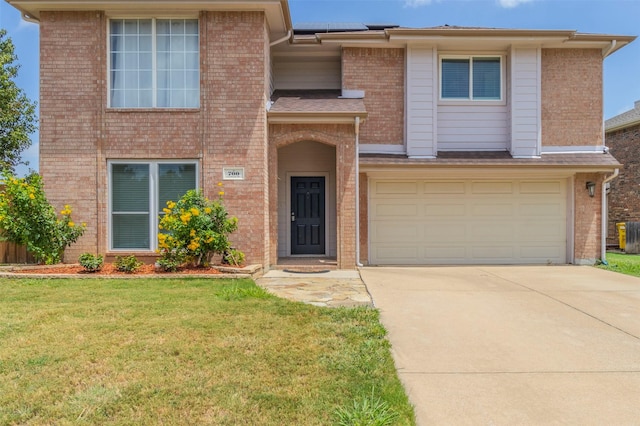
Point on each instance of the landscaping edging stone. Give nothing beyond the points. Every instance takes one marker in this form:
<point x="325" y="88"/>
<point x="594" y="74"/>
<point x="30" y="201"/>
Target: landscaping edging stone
<point x="12" y="271"/>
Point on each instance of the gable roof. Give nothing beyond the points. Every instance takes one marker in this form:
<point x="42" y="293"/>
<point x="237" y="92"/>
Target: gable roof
<point x="624" y="120"/>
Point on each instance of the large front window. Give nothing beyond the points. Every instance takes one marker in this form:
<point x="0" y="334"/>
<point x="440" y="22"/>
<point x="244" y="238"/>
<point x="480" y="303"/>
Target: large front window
<point x="154" y="63"/>
<point x="139" y="192"/>
<point x="471" y="78"/>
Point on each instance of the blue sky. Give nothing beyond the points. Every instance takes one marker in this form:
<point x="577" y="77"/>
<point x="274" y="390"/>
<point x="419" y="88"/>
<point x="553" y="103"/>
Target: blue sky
<point x="621" y="70"/>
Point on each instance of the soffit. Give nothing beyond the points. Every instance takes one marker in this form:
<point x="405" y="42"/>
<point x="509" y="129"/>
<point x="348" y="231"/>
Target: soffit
<point x="277" y="11"/>
<point x="573" y="162"/>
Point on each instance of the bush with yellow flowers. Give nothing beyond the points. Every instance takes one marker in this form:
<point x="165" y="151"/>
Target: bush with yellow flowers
<point x="193" y="230"/>
<point x="27" y="218"/>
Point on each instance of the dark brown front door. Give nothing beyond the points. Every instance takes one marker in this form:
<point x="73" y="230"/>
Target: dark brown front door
<point x="307" y="215"/>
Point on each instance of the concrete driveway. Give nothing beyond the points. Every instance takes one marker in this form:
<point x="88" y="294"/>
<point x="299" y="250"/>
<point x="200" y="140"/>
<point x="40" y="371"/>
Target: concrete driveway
<point x="514" y="345"/>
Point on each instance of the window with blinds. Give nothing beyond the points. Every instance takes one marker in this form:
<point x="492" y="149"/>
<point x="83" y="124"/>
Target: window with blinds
<point x="471" y="78"/>
<point x="138" y="193"/>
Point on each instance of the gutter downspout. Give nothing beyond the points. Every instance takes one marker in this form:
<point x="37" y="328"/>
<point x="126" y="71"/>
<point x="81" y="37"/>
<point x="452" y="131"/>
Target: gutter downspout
<point x="357" y="126"/>
<point x="604" y="216"/>
<point x="280" y="40"/>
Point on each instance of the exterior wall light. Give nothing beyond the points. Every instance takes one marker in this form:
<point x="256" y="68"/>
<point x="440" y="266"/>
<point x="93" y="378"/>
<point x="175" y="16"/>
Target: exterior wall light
<point x="591" y="187"/>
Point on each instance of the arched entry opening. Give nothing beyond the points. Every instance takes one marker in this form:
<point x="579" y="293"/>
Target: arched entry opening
<point x="307" y="218"/>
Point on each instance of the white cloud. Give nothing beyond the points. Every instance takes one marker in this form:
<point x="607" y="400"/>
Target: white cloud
<point x="416" y="3"/>
<point x="509" y="4"/>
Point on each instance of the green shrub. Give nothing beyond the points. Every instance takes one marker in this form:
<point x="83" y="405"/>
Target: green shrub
<point x="195" y="229"/>
<point x="27" y="218"/>
<point x="128" y="264"/>
<point x="168" y="264"/>
<point x="233" y="257"/>
<point x="90" y="262"/>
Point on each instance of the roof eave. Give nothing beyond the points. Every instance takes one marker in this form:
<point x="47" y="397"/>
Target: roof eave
<point x="298" y="117"/>
<point x="277" y="11"/>
<point x="622" y="126"/>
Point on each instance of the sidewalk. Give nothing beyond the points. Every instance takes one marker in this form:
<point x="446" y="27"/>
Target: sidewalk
<point x="328" y="288"/>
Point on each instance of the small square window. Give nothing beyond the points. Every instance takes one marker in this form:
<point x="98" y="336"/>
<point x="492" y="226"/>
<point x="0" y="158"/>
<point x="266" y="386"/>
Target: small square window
<point x="476" y="78"/>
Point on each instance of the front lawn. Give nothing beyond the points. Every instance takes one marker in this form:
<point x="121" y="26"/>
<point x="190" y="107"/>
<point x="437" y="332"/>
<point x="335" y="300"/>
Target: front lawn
<point x="186" y="351"/>
<point x="624" y="263"/>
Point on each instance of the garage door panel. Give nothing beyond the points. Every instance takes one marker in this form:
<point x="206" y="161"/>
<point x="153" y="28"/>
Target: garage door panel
<point x="496" y="232"/>
<point x="396" y="210"/>
<point x="398" y="254"/>
<point x="492" y="210"/>
<point x="554" y="187"/>
<point x="543" y="253"/>
<point x="444" y="188"/>
<point x="552" y="210"/>
<point x="448" y="253"/>
<point x="493" y="252"/>
<point x="445" y="209"/>
<point x="402" y="232"/>
<point x="544" y="231"/>
<point x="491" y="187"/>
<point x="395" y="188"/>
<point x="449" y="232"/>
<point x="468" y="222"/>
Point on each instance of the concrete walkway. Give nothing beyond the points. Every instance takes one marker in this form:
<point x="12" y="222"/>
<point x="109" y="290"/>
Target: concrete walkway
<point x="514" y="345"/>
<point x="330" y="288"/>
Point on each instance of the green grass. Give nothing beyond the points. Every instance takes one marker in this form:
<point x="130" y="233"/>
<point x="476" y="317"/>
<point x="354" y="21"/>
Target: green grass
<point x="628" y="264"/>
<point x="186" y="351"/>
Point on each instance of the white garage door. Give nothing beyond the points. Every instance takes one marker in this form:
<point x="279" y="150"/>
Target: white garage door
<point x="467" y="222"/>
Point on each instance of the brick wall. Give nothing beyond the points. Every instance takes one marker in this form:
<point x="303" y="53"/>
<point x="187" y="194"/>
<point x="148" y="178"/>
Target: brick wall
<point x="380" y="73"/>
<point x="234" y="121"/>
<point x="571" y="97"/>
<point x="624" y="197"/>
<point x="79" y="134"/>
<point x="72" y="97"/>
<point x="587" y="242"/>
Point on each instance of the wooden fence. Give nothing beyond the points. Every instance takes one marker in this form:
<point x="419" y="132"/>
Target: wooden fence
<point x="632" y="237"/>
<point x="13" y="253"/>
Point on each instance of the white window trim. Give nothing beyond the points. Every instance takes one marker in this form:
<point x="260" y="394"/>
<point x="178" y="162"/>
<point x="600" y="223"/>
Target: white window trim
<point x="153" y="200"/>
<point x="470" y="57"/>
<point x="153" y="59"/>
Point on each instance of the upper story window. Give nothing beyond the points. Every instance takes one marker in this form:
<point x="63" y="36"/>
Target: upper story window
<point x="154" y="63"/>
<point x="472" y="78"/>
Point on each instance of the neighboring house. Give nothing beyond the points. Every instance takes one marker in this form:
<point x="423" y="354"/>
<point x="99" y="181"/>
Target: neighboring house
<point x="367" y="144"/>
<point x="622" y="135"/>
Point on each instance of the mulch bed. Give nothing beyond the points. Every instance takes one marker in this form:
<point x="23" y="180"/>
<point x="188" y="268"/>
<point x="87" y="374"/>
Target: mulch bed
<point x="110" y="269"/>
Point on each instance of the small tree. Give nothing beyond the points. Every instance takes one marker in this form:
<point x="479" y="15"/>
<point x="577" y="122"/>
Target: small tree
<point x="17" y="112"/>
<point x="27" y="218"/>
<point x="194" y="229"/>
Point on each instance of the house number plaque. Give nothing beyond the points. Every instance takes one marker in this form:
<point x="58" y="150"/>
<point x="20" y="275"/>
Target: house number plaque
<point x="233" y="173"/>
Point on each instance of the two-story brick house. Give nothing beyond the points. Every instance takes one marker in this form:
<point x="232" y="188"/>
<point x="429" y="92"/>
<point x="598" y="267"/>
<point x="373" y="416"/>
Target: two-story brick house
<point x="367" y="144"/>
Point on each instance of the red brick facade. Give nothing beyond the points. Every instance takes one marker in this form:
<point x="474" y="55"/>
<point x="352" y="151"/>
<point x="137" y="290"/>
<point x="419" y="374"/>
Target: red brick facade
<point x="80" y="134"/>
<point x="380" y="73"/>
<point x="624" y="196"/>
<point x="571" y="97"/>
<point x="587" y="218"/>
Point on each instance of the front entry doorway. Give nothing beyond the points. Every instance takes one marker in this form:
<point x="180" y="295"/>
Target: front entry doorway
<point x="308" y="215"/>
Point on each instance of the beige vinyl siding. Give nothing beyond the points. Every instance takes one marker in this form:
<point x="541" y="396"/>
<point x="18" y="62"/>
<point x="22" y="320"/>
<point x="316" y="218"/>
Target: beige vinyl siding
<point x="290" y="74"/>
<point x="525" y="108"/>
<point x="417" y="222"/>
<point x="472" y="127"/>
<point x="421" y="95"/>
